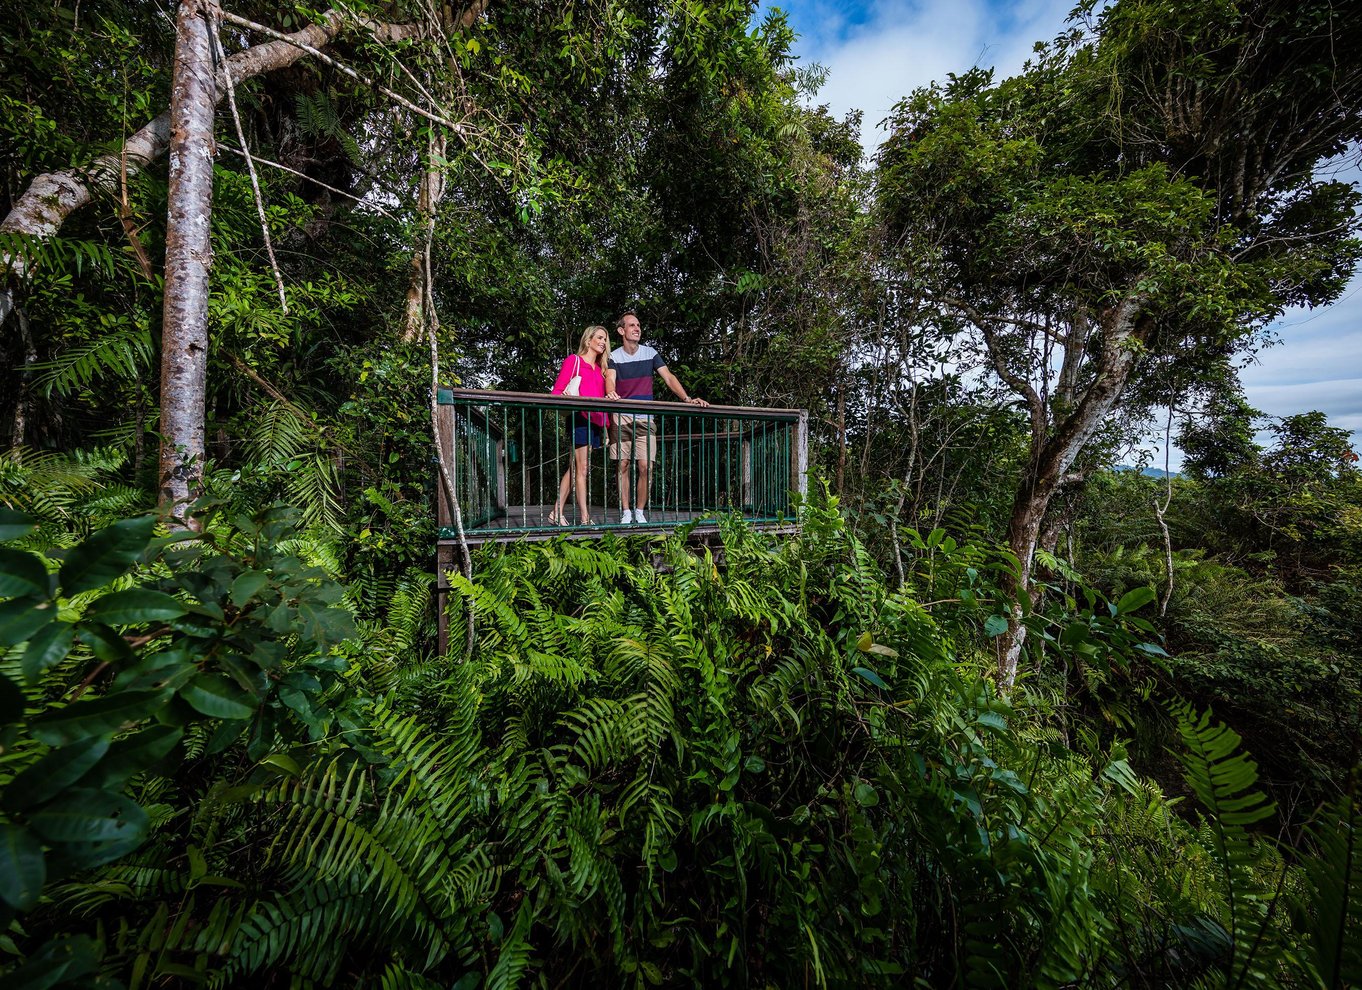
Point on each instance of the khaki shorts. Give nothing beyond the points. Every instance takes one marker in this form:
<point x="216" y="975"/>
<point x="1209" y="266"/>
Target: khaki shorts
<point x="632" y="438"/>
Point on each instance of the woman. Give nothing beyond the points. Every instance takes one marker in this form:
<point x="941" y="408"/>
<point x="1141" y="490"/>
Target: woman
<point x="590" y="362"/>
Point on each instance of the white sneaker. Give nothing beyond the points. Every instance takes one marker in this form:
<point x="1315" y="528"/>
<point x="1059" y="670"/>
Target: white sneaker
<point x="626" y="518"/>
<point x="640" y="518"/>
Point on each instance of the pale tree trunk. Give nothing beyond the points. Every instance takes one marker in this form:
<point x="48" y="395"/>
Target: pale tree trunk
<point x="189" y="255"/>
<point x="1053" y="453"/>
<point x="52" y="197"/>
<point x="431" y="193"/>
<point x="24" y="403"/>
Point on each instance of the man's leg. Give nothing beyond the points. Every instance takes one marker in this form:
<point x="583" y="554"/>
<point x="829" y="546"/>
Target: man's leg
<point x="622" y="467"/>
<point x="641" y="498"/>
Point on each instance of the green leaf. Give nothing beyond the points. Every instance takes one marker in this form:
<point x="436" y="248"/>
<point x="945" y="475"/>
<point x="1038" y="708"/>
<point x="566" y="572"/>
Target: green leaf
<point x="105" y="555"/>
<point x="97" y="716"/>
<point x="20" y="618"/>
<point x="866" y="796"/>
<point x="995" y="625"/>
<point x="871" y="676"/>
<point x="47" y="647"/>
<point x="284" y="763"/>
<point x="66" y="962"/>
<point x="22" y="870"/>
<point x="21" y="574"/>
<point x="247" y="586"/>
<point x="85" y="815"/>
<point x="217" y="697"/>
<point x="1134" y="599"/>
<point x="1074" y="633"/>
<point x="103" y="642"/>
<point x="13" y="524"/>
<point x="55" y="772"/>
<point x="135" y="754"/>
<point x="126" y="608"/>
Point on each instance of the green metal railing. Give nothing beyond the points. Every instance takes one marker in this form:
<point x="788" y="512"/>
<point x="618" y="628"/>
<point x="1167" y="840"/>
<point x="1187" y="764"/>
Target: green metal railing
<point x="507" y="451"/>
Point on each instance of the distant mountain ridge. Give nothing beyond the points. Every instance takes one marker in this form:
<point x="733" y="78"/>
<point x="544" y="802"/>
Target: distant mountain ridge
<point x="1149" y="472"/>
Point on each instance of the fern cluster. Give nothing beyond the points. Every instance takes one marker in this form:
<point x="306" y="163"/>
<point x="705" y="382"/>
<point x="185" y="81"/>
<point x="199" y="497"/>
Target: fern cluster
<point x="757" y="765"/>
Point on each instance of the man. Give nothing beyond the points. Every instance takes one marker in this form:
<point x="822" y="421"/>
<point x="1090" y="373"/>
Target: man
<point x="634" y="444"/>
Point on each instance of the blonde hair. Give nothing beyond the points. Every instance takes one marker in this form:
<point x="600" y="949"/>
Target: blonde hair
<point x="583" y="351"/>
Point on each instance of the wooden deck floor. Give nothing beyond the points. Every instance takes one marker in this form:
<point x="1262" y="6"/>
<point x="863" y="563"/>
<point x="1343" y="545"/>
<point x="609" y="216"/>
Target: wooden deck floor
<point x="530" y="524"/>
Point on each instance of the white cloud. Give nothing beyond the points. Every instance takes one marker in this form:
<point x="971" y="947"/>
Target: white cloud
<point x="878" y="54"/>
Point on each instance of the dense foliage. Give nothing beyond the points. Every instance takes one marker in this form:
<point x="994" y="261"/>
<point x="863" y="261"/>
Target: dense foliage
<point x="761" y="768"/>
<point x="234" y="756"/>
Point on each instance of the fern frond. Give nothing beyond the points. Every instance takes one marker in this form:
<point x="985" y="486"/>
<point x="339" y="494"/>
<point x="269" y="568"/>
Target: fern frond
<point x="1223" y="780"/>
<point x="121" y="350"/>
<point x="1332" y="912"/>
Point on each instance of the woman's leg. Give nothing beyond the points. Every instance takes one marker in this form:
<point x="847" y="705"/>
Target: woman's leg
<point x="563" y="484"/>
<point x="580" y="454"/>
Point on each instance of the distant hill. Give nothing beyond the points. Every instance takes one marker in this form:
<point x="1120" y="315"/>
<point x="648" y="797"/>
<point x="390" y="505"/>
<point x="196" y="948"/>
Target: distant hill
<point x="1149" y="472"/>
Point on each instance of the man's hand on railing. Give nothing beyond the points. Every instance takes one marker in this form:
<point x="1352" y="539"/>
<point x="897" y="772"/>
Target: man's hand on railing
<point x="694" y="401"/>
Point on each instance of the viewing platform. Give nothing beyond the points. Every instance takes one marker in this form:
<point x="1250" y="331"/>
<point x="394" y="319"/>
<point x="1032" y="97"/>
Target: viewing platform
<point x="507" y="451"/>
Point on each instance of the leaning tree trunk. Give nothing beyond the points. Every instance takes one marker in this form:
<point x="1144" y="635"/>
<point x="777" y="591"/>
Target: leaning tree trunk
<point x="1055" y="454"/>
<point x="189" y="255"/>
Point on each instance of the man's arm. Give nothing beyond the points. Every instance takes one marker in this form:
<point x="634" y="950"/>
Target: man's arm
<point x="676" y="388"/>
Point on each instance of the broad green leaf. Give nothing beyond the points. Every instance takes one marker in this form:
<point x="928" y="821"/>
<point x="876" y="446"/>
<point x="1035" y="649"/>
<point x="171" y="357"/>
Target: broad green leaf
<point x="1074" y="633"/>
<point x="103" y="642"/>
<point x="215" y="696"/>
<point x="283" y="762"/>
<point x="870" y="676"/>
<point x="85" y="815"/>
<point x="54" y="772"/>
<point x="105" y="555"/>
<point x="247" y="586"/>
<point x="21" y="574"/>
<point x="22" y="870"/>
<point x="134" y="754"/>
<point x="20" y="618"/>
<point x="995" y="625"/>
<point x="46" y="647"/>
<point x="97" y="716"/>
<point x="866" y="796"/>
<point x="1134" y="599"/>
<point x="126" y="608"/>
<point x="13" y="524"/>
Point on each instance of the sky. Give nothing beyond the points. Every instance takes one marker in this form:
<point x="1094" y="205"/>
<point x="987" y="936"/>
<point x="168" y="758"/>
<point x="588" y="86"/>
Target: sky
<point x="878" y="51"/>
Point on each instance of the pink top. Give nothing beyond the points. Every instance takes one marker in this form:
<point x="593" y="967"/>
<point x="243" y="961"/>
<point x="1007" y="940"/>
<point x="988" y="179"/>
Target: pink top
<point x="593" y="382"/>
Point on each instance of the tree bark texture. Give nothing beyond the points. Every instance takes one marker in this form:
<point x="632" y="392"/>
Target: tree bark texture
<point x="419" y="308"/>
<point x="1053" y="453"/>
<point x="189" y="255"/>
<point x="52" y="197"/>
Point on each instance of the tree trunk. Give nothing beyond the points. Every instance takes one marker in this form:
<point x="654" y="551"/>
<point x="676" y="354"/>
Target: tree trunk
<point x="189" y="255"/>
<point x="431" y="193"/>
<point x="23" y="405"/>
<point x="1052" y="459"/>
